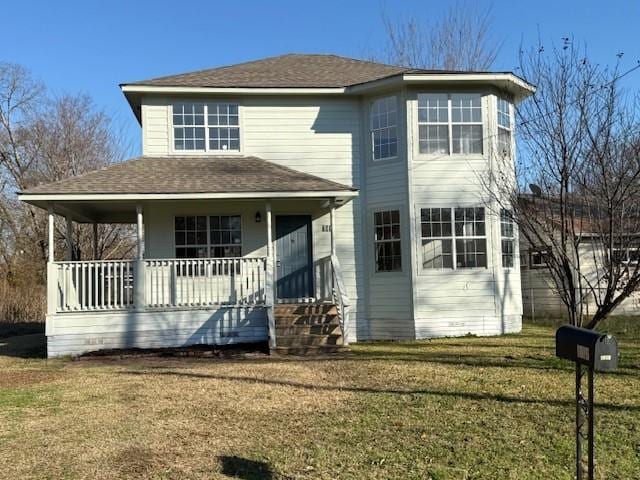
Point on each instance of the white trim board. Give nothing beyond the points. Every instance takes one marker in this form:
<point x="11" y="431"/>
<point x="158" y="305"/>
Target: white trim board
<point x="34" y="197"/>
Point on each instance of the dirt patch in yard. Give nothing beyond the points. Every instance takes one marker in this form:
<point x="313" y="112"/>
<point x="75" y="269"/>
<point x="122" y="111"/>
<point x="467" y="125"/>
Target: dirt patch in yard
<point x="22" y="378"/>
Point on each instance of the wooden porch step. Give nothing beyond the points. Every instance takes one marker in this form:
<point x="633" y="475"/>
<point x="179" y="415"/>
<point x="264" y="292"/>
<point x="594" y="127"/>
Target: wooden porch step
<point x="308" y="340"/>
<point x="310" y="350"/>
<point x="304" y="309"/>
<point x="306" y="329"/>
<point x="291" y="320"/>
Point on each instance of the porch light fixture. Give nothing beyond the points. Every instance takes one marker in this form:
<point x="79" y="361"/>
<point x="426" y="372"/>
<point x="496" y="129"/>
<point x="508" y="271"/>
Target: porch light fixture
<point x="258" y="217"/>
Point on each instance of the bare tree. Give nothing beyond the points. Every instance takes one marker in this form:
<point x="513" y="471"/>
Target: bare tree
<point x="459" y="40"/>
<point x="581" y="161"/>
<point x="45" y="139"/>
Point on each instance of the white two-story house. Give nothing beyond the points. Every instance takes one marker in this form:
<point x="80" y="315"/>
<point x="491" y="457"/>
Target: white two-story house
<point x="304" y="200"/>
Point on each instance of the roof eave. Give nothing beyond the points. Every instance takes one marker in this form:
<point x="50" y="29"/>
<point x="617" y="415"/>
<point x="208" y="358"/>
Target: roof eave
<point x="79" y="197"/>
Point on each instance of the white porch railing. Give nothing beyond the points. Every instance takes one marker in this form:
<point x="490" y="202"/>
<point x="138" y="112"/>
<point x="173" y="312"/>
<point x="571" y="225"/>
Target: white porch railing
<point x="157" y="283"/>
<point x="340" y="297"/>
<point x="94" y="285"/>
<point x="205" y="281"/>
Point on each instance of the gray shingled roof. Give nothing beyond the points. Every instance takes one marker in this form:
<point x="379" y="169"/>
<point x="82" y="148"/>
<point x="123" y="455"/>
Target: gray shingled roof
<point x="167" y="175"/>
<point x="288" y="71"/>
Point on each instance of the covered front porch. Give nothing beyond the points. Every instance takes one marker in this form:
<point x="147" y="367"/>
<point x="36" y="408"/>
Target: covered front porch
<point x="205" y="272"/>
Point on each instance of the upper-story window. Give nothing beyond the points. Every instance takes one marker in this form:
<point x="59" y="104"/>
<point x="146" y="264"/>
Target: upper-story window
<point x="384" y="133"/>
<point x="505" y="127"/>
<point x="450" y="123"/>
<point x="206" y="126"/>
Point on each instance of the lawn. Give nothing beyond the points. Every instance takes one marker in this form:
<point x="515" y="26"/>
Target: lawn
<point x="464" y="408"/>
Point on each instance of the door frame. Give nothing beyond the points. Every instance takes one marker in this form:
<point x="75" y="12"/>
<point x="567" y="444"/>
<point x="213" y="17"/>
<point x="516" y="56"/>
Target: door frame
<point x="310" y="261"/>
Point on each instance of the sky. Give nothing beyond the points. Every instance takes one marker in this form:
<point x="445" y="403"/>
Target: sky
<point x="93" y="46"/>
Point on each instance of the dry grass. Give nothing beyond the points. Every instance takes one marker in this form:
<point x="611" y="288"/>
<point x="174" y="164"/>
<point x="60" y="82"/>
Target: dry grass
<point x="23" y="302"/>
<point x="465" y="408"/>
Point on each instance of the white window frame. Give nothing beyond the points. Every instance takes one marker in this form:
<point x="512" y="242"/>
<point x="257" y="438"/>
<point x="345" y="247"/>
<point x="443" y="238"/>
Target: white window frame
<point x="543" y="252"/>
<point x="209" y="246"/>
<point x="389" y="240"/>
<point x="453" y="238"/>
<point x="450" y="123"/>
<point x="373" y="130"/>
<point x="206" y="127"/>
<point x="507" y="214"/>
<point x="510" y="114"/>
<point x="627" y="260"/>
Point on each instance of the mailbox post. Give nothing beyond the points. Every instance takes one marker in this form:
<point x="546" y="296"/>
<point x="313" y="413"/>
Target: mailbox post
<point x="596" y="352"/>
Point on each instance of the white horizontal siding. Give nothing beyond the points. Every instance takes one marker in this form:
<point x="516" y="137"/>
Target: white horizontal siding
<point x="486" y="301"/>
<point x="76" y="333"/>
<point x="155" y="127"/>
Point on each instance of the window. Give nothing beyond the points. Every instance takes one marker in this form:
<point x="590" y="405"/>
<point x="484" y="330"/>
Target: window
<point x="210" y="126"/>
<point x="384" y="136"/>
<point x="449" y="234"/>
<point x="539" y="257"/>
<point x="191" y="237"/>
<point x="466" y="123"/>
<point x="626" y="256"/>
<point x="471" y="242"/>
<point x="217" y="236"/>
<point x="226" y="236"/>
<point x="507" y="235"/>
<point x="450" y="123"/>
<point x="437" y="241"/>
<point x="224" y="132"/>
<point x="388" y="255"/>
<point x="505" y="125"/>
<point x="188" y="126"/>
<point x="433" y="123"/>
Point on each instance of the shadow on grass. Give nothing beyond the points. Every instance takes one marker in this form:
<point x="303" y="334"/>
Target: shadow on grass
<point x="372" y="390"/>
<point x="12" y="329"/>
<point x="243" y="468"/>
<point x="24" y="346"/>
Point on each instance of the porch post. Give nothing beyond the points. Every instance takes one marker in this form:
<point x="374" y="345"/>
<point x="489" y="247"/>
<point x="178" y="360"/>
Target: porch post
<point x="269" y="284"/>
<point x="50" y="231"/>
<point x="139" y="275"/>
<point x="140" y="232"/>
<point x="52" y="272"/>
<point x="95" y="241"/>
<point x="332" y="215"/>
<point x="69" y="256"/>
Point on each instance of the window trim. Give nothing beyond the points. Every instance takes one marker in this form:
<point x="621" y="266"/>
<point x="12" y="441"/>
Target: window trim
<point x="372" y="216"/>
<point x="627" y="261"/>
<point x="509" y="129"/>
<point x="486" y="237"/>
<point x="240" y="126"/>
<point x="542" y="251"/>
<point x="209" y="244"/>
<point x="445" y="156"/>
<point x="511" y="239"/>
<point x="396" y="126"/>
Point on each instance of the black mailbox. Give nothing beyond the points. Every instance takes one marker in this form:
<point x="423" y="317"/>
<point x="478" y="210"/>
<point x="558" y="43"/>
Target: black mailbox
<point x="593" y="349"/>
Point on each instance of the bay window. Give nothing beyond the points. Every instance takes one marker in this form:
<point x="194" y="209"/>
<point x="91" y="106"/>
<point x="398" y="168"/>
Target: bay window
<point x="387" y="243"/>
<point x="450" y="123"/>
<point x="507" y="238"/>
<point x="384" y="134"/>
<point x="453" y="238"/>
<point x="212" y="126"/>
<point x="505" y="127"/>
